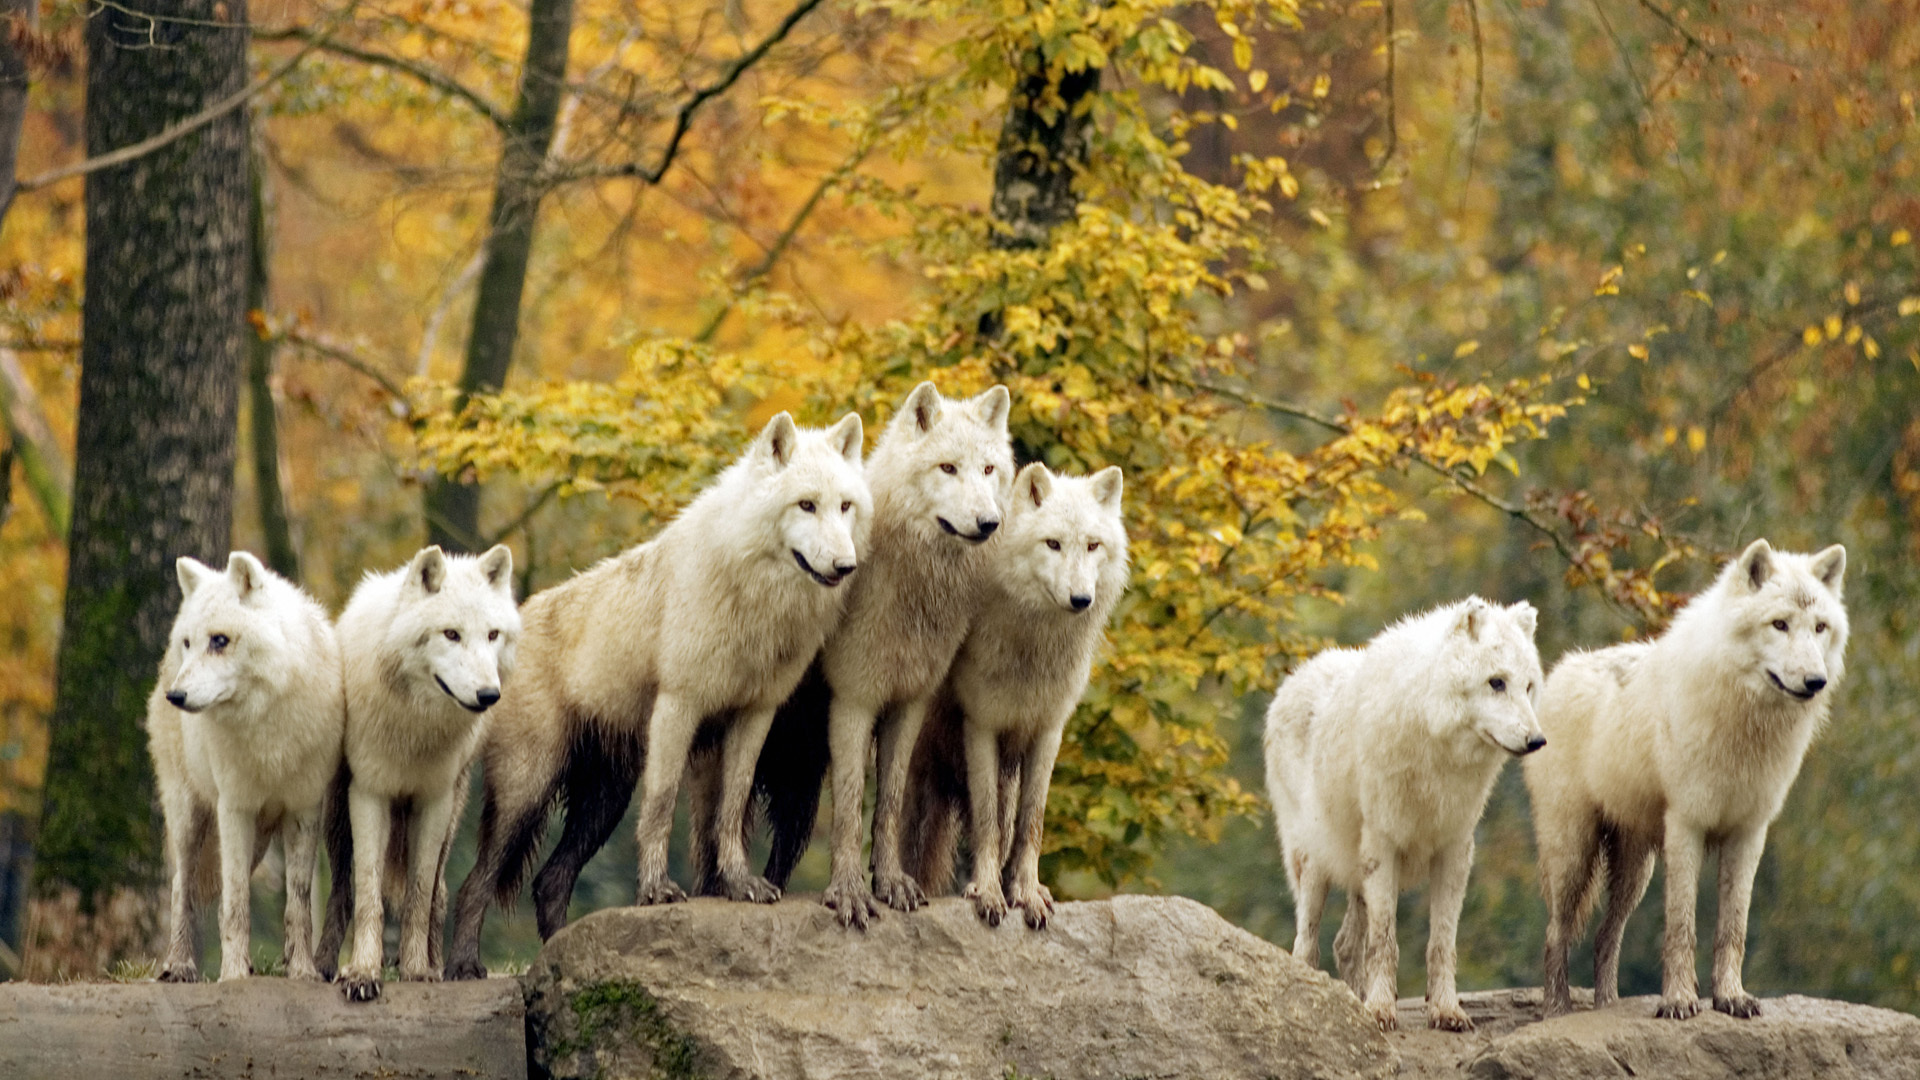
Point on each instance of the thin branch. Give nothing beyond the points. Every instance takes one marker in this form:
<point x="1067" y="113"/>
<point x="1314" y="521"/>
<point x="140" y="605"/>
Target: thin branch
<point x="684" y="119"/>
<point x="42" y="345"/>
<point x="430" y="336"/>
<point x="1393" y="123"/>
<point x="1674" y="24"/>
<point x="1626" y="61"/>
<point x="340" y="354"/>
<point x="546" y="495"/>
<point x="425" y="74"/>
<point x="1479" y="89"/>
<point x="781" y="243"/>
<point x="185" y="127"/>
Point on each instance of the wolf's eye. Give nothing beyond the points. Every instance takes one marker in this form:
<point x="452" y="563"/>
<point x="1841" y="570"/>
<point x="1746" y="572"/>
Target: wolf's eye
<point x="219" y="642"/>
<point x="1053" y="545"/>
<point x="1820" y="628"/>
<point x="1499" y="684"/>
<point x="452" y="635"/>
<point x="1095" y="546"/>
<point x="187" y="644"/>
<point x="949" y="469"/>
<point x="989" y="470"/>
<point x="493" y="635"/>
<point x="806" y="505"/>
<point x="1780" y="625"/>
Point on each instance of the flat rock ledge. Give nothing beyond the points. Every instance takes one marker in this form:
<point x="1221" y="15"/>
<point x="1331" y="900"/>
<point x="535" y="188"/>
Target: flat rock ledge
<point x="1135" y="986"/>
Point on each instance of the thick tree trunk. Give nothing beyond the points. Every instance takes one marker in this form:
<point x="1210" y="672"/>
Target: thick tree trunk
<point x="164" y="340"/>
<point x="263" y="435"/>
<point x="453" y="505"/>
<point x="13" y="93"/>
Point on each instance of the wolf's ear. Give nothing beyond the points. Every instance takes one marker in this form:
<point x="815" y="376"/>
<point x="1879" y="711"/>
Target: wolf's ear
<point x="1830" y="566"/>
<point x="993" y="406"/>
<point x="1472" y="617"/>
<point x="922" y="407"/>
<point x="1032" y="484"/>
<point x="1106" y="488"/>
<point x="428" y="570"/>
<point x="497" y="567"/>
<point x="1524" y="614"/>
<point x="192" y="574"/>
<point x="246" y="572"/>
<point x="1756" y="564"/>
<point x="848" y="436"/>
<point x="778" y="439"/>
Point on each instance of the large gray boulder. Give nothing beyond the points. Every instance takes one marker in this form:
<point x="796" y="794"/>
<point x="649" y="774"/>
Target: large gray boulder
<point x="1135" y="986"/>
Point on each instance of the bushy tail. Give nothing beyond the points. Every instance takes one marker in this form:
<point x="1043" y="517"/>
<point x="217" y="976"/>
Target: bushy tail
<point x="792" y="768"/>
<point x="936" y="802"/>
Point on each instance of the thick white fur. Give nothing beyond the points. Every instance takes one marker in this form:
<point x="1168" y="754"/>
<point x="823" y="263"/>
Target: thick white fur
<point x="1379" y="763"/>
<point x="244" y="726"/>
<point x="1054" y="574"/>
<point x="426" y="650"/>
<point x="940" y="476"/>
<point x="1676" y="746"/>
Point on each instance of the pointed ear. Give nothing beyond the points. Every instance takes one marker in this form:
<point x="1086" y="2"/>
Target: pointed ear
<point x="428" y="570"/>
<point x="1830" y="566"/>
<point x="1525" y="616"/>
<point x="993" y="406"/>
<point x="1032" y="485"/>
<point x="778" y="439"/>
<point x="1756" y="564"/>
<point x="246" y="572"/>
<point x="497" y="567"/>
<point x="1106" y="485"/>
<point x="192" y="574"/>
<point x="1472" y="618"/>
<point x="922" y="407"/>
<point x="848" y="436"/>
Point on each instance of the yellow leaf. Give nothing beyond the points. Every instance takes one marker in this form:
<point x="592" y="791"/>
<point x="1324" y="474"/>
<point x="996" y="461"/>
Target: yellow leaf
<point x="1242" y="53"/>
<point x="1466" y="348"/>
<point x="1669" y="435"/>
<point x="1696" y="439"/>
<point x="1833" y="327"/>
<point x="1637" y="351"/>
<point x="1232" y="123"/>
<point x="1585" y="383"/>
<point x="1909" y="305"/>
<point x="1811" y="335"/>
<point x="1900" y="236"/>
<point x="1871" y="348"/>
<point x="1257" y="79"/>
<point x="1853" y="333"/>
<point x="1320" y="218"/>
<point x="1321" y="84"/>
<point x="1853" y="294"/>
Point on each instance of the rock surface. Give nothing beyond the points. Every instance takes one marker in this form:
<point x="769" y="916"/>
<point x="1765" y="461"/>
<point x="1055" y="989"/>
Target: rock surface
<point x="263" y="1027"/>
<point x="1135" y="986"/>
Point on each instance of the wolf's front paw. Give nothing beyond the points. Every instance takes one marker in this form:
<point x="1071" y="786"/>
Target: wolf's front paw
<point x="988" y="902"/>
<point x="184" y="972"/>
<point x="1451" y="1018"/>
<point x="659" y="890"/>
<point x="360" y="985"/>
<point x="1678" y="1008"/>
<point x="899" y="892"/>
<point x="1741" y="1006"/>
<point x="299" y="968"/>
<point x="1386" y="1014"/>
<point x="1036" y="900"/>
<point x="467" y="968"/>
<point x="749" y="887"/>
<point x="852" y="902"/>
<point x="238" y="969"/>
<point x="422" y="974"/>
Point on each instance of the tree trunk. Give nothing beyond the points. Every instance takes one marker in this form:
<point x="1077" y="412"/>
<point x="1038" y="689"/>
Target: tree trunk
<point x="263" y="434"/>
<point x="163" y="343"/>
<point x="13" y="93"/>
<point x="452" y="504"/>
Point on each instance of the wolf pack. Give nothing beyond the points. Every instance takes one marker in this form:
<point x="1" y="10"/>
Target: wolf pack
<point x="925" y="619"/>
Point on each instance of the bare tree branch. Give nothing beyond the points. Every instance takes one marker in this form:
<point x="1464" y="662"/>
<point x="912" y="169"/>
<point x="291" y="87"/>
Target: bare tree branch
<point x="425" y="74"/>
<point x="341" y="354"/>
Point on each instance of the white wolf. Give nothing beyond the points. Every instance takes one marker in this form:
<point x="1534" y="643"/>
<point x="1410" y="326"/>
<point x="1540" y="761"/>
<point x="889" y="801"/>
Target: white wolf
<point x="1379" y="763"/>
<point x="708" y="626"/>
<point x="244" y="727"/>
<point x="1054" y="574"/>
<point x="426" y="649"/>
<point x="1674" y="746"/>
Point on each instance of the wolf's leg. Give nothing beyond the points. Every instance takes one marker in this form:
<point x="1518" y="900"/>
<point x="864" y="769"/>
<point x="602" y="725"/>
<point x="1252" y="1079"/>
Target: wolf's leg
<point x="1035" y="772"/>
<point x="1309" y="900"/>
<point x="897" y="737"/>
<point x="1009" y="809"/>
<point x="1447" y="892"/>
<point x="1679" y="986"/>
<point x="300" y="841"/>
<point x="1350" y="942"/>
<point x="740" y="753"/>
<point x="705" y="772"/>
<point x="849" y="734"/>
<point x="339" y="843"/>
<point x="983" y="800"/>
<point x="372" y="819"/>
<point x="437" y="912"/>
<point x="1739" y="860"/>
<point x="426" y="839"/>
<point x="237" y="826"/>
<point x="187" y="824"/>
<point x="1380" y="955"/>
<point x="670" y="732"/>
<point x="1629" y="870"/>
<point x="1568" y="848"/>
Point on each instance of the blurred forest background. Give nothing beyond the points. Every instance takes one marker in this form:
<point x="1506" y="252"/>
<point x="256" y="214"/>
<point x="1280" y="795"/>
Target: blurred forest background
<point x="1378" y="302"/>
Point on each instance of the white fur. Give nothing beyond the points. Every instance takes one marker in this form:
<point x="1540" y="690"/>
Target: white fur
<point x="940" y="477"/>
<point x="244" y="727"/>
<point x="1379" y="763"/>
<point x="1676" y="746"/>
<point x="1055" y="573"/>
<point x="427" y="649"/>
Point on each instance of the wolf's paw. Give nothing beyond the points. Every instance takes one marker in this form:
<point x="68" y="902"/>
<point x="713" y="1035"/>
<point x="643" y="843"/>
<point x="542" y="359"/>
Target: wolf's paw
<point x="660" y="890"/>
<point x="1740" y="1006"/>
<point x="1451" y="1018"/>
<point x="1036" y="900"/>
<point x="852" y="902"/>
<point x="751" y="888"/>
<point x="302" y="969"/>
<point x="240" y="970"/>
<point x="425" y="973"/>
<point x="179" y="973"/>
<point x="466" y="968"/>
<point x="899" y="892"/>
<point x="1676" y="1008"/>
<point x="360" y="985"/>
<point x="1386" y="1015"/>
<point x="989" y="903"/>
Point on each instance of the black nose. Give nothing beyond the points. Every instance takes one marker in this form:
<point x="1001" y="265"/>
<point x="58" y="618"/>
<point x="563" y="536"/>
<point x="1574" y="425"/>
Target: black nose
<point x="1815" y="685"/>
<point x="1535" y="742"/>
<point x="177" y="698"/>
<point x="843" y="568"/>
<point x="987" y="525"/>
<point x="1082" y="603"/>
<point x="487" y="697"/>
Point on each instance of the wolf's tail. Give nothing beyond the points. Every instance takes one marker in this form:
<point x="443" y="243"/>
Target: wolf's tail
<point x="792" y="767"/>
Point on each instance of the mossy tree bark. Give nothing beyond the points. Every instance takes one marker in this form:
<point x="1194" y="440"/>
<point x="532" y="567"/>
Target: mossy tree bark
<point x="453" y="503"/>
<point x="163" y="343"/>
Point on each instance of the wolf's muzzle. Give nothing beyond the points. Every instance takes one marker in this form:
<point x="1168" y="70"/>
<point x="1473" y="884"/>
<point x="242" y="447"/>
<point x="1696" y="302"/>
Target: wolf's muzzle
<point x="986" y="529"/>
<point x="1810" y="687"/>
<point x="839" y="574"/>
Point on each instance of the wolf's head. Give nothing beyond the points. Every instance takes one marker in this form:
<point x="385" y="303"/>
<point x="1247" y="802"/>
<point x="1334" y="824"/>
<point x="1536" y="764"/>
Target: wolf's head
<point x="823" y="509"/>
<point x="946" y="466"/>
<point x="1493" y="666"/>
<point x="1064" y="544"/>
<point x="231" y="643"/>
<point x="456" y="624"/>
<point x="1786" y="618"/>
